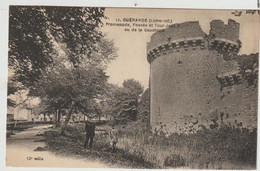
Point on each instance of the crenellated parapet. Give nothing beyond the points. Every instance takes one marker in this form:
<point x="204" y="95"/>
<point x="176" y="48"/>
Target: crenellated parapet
<point x="228" y="31"/>
<point x="230" y="78"/>
<point x="189" y="36"/>
<point x="175" y="46"/>
<point x="225" y="47"/>
<point x="224" y="38"/>
<point x="175" y="32"/>
<point x="195" y="84"/>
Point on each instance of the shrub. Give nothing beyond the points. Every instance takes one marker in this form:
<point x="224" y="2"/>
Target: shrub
<point x="174" y="161"/>
<point x="225" y="147"/>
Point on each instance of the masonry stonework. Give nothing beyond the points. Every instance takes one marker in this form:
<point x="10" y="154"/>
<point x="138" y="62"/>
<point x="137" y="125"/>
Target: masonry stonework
<point x="194" y="81"/>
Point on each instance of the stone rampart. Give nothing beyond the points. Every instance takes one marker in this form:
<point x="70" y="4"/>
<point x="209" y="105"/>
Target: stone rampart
<point x="193" y="78"/>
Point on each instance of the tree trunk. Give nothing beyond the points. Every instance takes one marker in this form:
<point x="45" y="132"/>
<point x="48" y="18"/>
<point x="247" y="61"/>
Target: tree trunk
<point x="55" y="118"/>
<point x="67" y="119"/>
<point x="59" y="116"/>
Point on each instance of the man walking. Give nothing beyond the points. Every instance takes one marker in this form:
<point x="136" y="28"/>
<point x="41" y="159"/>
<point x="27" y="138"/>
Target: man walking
<point x="90" y="133"/>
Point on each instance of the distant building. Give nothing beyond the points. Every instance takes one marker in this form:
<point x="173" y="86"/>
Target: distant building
<point x="19" y="113"/>
<point x="25" y="114"/>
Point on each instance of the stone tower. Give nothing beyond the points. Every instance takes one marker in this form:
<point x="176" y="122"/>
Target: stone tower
<point x="194" y="80"/>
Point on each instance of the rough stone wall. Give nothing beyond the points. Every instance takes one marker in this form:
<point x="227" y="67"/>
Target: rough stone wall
<point x="176" y="32"/>
<point x="186" y="93"/>
<point x="229" y="31"/>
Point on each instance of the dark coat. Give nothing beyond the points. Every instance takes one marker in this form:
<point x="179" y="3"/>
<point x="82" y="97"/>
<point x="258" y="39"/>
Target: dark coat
<point x="90" y="128"/>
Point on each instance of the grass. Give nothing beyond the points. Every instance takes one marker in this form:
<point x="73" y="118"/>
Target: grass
<point x="72" y="145"/>
<point x="225" y="148"/>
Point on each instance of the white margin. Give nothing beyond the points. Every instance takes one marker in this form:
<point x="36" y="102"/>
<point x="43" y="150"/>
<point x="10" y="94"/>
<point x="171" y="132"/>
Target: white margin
<point x="4" y="4"/>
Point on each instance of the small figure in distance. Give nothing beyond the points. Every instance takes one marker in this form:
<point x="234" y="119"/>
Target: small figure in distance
<point x="113" y="138"/>
<point x="90" y="133"/>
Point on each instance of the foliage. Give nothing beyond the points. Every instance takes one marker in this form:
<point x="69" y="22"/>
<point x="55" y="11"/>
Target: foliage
<point x="248" y="67"/>
<point x="144" y="106"/>
<point x="133" y="87"/>
<point x="226" y="147"/>
<point x="80" y="88"/>
<point x="16" y="93"/>
<point x="60" y="55"/>
<point x="72" y="144"/>
<point x="174" y="161"/>
<point x="247" y="61"/>
<point x="125" y="100"/>
<point x="72" y="90"/>
<point x="35" y="33"/>
<point x="28" y="42"/>
<point x="71" y="84"/>
<point x="12" y="88"/>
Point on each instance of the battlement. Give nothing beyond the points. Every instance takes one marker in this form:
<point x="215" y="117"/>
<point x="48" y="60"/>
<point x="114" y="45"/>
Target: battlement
<point x="175" y="46"/>
<point x="176" y="33"/>
<point x="224" y="38"/>
<point x="220" y="30"/>
<point x="193" y="85"/>
<point x="229" y="78"/>
<point x="189" y="35"/>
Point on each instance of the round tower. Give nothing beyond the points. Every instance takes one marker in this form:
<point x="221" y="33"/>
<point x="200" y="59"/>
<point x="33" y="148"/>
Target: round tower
<point x="189" y="73"/>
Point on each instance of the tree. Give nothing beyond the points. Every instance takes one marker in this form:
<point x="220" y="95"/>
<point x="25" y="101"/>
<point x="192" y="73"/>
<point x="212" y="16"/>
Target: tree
<point x="248" y="65"/>
<point x="42" y="108"/>
<point x="12" y="88"/>
<point x="35" y="33"/>
<point x="125" y="101"/>
<point x="71" y="89"/>
<point x="144" y="106"/>
<point x="60" y="54"/>
<point x="247" y="61"/>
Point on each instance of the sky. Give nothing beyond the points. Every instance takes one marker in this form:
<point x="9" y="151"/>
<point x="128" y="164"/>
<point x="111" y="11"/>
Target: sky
<point x="132" y="61"/>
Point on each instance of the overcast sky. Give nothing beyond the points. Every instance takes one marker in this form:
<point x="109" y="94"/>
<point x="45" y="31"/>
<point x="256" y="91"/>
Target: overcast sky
<point x="132" y="62"/>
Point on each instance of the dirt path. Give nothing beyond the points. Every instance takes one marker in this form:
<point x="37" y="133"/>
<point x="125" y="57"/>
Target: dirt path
<point x="20" y="153"/>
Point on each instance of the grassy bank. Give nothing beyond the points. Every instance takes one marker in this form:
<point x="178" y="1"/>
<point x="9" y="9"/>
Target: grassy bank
<point x="72" y="144"/>
<point x="225" y="148"/>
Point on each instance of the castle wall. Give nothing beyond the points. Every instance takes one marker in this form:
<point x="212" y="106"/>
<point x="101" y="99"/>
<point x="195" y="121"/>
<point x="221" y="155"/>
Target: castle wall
<point x="229" y="31"/>
<point x="176" y="33"/>
<point x="240" y="102"/>
<point x="192" y="84"/>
